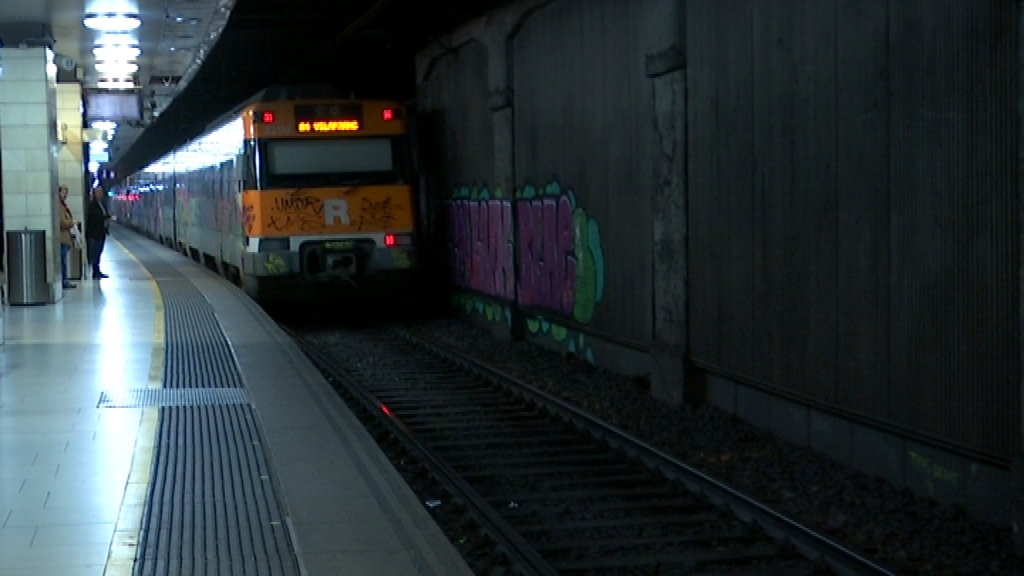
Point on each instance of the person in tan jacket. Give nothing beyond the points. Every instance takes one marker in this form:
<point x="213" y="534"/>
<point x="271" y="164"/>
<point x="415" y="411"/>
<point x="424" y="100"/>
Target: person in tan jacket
<point x="67" y="222"/>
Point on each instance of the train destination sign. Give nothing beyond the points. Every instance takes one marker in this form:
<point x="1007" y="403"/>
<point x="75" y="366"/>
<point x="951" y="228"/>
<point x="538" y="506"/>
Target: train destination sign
<point x="332" y="117"/>
<point x="328" y="126"/>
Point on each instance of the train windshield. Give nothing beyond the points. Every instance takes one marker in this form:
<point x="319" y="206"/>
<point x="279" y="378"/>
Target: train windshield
<point x="333" y="162"/>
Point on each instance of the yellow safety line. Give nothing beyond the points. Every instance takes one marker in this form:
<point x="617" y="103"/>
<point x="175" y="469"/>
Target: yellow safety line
<point x="121" y="557"/>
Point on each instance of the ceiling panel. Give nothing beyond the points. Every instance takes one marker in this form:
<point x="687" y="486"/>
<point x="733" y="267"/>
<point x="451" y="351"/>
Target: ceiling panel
<point x="174" y="38"/>
<point x="201" y="57"/>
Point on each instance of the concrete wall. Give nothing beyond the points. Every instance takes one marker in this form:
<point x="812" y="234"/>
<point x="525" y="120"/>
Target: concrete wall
<point x="853" y="208"/>
<point x="803" y="212"/>
<point x="541" y="122"/>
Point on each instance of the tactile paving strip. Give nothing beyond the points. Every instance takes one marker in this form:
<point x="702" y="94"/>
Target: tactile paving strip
<point x="166" y="397"/>
<point x="211" y="507"/>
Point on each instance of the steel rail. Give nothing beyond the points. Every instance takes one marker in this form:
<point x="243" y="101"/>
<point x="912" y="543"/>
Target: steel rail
<point x="512" y="543"/>
<point x="811" y="544"/>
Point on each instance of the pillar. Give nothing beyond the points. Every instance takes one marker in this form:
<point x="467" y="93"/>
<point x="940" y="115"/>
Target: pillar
<point x="28" y="149"/>
<point x="665" y="66"/>
<point x="71" y="152"/>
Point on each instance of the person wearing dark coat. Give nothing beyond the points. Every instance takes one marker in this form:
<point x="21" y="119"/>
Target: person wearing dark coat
<point x="97" y="223"/>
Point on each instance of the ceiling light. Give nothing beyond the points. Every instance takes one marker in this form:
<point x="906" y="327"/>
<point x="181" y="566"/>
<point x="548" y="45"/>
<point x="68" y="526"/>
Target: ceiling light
<point x="117" y="68"/>
<point x="112" y="22"/>
<point x="115" y="83"/>
<point x="116" y="52"/>
<point x="122" y="39"/>
<point x="104" y="125"/>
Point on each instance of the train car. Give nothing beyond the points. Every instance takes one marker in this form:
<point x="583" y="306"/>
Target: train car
<point x="290" y="195"/>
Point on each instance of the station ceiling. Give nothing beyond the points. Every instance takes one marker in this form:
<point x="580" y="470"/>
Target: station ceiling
<point x="200" y="58"/>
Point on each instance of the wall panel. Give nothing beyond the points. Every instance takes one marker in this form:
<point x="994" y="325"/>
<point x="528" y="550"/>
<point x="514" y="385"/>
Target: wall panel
<point x="881" y="215"/>
<point x="583" y="123"/>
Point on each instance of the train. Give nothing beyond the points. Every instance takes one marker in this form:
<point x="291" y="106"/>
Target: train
<point x="292" y="195"/>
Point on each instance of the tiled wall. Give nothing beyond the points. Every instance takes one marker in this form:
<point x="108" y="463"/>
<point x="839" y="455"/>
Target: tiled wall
<point x="28" y="148"/>
<point x="71" y="154"/>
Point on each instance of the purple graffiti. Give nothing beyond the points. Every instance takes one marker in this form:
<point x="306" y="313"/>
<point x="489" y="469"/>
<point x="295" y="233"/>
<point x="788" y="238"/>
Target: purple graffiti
<point x="547" y="262"/>
<point x="480" y="233"/>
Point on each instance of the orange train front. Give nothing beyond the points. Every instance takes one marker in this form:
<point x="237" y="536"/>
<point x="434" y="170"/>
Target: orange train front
<point x="288" y="196"/>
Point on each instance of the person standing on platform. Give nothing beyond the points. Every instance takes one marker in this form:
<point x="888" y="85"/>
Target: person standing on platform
<point x="97" y="222"/>
<point x="67" y="222"/>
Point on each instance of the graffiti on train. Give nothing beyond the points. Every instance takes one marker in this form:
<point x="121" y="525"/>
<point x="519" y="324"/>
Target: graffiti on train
<point x="282" y="212"/>
<point x="560" y="260"/>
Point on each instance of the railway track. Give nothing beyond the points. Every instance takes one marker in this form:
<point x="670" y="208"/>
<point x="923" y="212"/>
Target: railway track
<point x="558" y="491"/>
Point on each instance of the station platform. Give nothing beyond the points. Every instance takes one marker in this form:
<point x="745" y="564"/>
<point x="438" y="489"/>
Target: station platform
<point x="158" y="422"/>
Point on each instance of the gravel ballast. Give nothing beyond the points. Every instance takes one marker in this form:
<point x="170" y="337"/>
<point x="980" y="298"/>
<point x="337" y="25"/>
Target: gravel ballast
<point x="894" y="526"/>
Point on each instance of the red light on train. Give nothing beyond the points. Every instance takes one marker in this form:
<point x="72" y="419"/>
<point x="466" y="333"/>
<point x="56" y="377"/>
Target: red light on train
<point x="268" y="117"/>
<point x="389" y="239"/>
<point x="387" y="114"/>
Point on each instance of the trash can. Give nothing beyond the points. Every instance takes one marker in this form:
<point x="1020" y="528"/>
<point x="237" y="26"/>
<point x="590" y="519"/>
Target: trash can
<point x="26" y="267"/>
<point x="75" y="263"/>
<point x="76" y="256"/>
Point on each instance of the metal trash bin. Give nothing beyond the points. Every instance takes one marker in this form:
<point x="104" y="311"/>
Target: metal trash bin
<point x="26" y="267"/>
<point x="75" y="263"/>
<point x="76" y="256"/>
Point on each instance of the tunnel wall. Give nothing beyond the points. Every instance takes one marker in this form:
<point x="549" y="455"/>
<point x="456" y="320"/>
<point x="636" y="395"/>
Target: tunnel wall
<point x="804" y="212"/>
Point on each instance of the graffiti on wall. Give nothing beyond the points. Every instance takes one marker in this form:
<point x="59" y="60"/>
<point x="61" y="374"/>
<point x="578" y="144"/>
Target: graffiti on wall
<point x="538" y="249"/>
<point x="561" y="263"/>
<point x="481" y="242"/>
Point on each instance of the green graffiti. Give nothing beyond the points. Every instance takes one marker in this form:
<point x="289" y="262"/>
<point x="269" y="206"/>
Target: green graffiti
<point x="594" y="239"/>
<point x="586" y="270"/>
<point x="275" y="264"/>
<point x="533" y="325"/>
<point x="559" y="332"/>
<point x="400" y="258"/>
<point x="494" y="312"/>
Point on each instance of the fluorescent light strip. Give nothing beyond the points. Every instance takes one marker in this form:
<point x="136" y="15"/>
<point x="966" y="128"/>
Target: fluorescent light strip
<point x="112" y="22"/>
<point x="116" y="52"/>
<point x="117" y="68"/>
<point x="115" y="83"/>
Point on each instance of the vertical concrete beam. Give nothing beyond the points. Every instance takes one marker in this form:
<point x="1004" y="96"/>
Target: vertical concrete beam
<point x="497" y="34"/>
<point x="494" y="35"/>
<point x="71" y="152"/>
<point x="666" y="67"/>
<point x="1017" y="471"/>
<point x="28" y="145"/>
